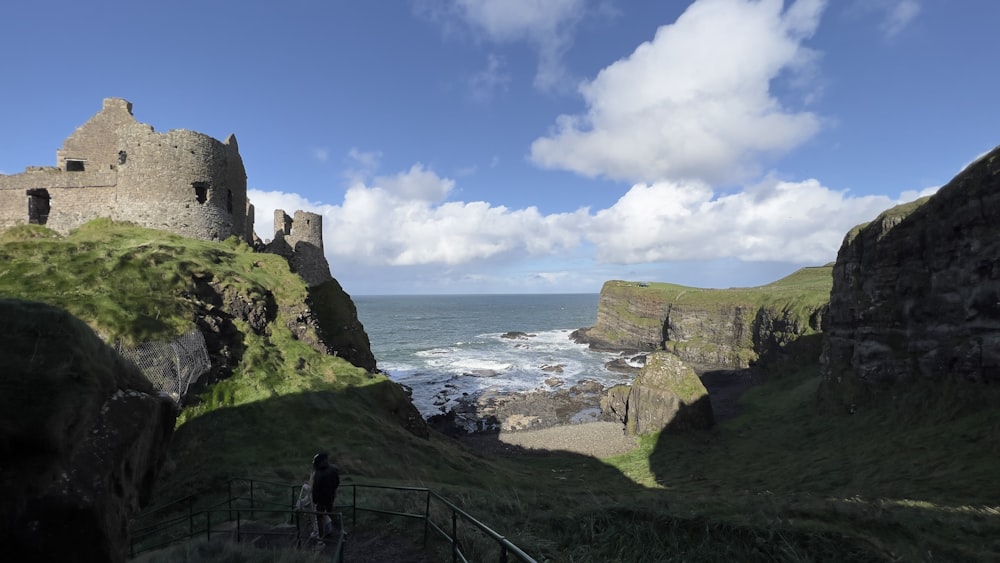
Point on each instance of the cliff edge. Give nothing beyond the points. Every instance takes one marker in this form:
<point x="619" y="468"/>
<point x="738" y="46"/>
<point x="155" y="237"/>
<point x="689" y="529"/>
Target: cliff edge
<point x="916" y="293"/>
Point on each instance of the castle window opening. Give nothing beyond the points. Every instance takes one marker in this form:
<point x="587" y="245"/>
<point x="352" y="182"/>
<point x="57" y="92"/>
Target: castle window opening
<point x="229" y="201"/>
<point x="74" y="165"/>
<point x="122" y="157"/>
<point x="200" y="191"/>
<point x="38" y="206"/>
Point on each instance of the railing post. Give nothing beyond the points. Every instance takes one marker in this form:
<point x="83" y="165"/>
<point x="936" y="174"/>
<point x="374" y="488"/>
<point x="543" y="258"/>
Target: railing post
<point x="298" y="528"/>
<point x="427" y="517"/>
<point x="454" y="536"/>
<point x="237" y="527"/>
<point x="229" y="498"/>
<point x="251" y="499"/>
<point x="503" y="553"/>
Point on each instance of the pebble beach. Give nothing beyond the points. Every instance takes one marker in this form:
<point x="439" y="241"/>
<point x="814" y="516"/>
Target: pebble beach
<point x="596" y="439"/>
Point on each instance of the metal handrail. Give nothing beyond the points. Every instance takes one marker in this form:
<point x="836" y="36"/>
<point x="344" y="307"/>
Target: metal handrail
<point x="506" y="546"/>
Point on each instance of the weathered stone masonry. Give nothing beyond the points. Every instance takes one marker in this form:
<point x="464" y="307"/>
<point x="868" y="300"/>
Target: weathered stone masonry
<point x="180" y="181"/>
<point x="300" y="241"/>
<point x="113" y="166"/>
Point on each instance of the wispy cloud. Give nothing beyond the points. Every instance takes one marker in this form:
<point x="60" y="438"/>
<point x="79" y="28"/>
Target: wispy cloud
<point x="893" y="16"/>
<point x="899" y="14"/>
<point x="321" y="154"/>
<point x="486" y="83"/>
<point x="361" y="165"/>
<point x="547" y="25"/>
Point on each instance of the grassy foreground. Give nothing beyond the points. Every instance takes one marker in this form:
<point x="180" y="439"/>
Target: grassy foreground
<point x="915" y="481"/>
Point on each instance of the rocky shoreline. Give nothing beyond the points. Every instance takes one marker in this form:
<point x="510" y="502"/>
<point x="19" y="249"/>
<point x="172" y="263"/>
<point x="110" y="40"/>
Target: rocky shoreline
<point x="482" y="417"/>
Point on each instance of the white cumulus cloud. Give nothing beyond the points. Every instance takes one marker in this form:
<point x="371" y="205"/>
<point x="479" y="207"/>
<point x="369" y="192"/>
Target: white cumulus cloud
<point x="694" y="103"/>
<point x="401" y="220"/>
<point x="798" y="222"/>
<point x="383" y="224"/>
<point x="417" y="183"/>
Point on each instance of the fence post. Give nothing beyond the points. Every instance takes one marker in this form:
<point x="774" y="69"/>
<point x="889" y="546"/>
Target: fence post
<point x="298" y="528"/>
<point x="454" y="536"/>
<point x="354" y="505"/>
<point x="427" y="517"/>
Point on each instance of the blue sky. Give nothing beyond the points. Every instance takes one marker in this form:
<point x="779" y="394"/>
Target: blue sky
<point x="534" y="146"/>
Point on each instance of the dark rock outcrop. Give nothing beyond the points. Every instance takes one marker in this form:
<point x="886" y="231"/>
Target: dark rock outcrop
<point x="492" y="411"/>
<point x="666" y="395"/>
<point x="916" y="293"/>
<point x="336" y="318"/>
<point x="516" y="334"/>
<point x="82" y="437"/>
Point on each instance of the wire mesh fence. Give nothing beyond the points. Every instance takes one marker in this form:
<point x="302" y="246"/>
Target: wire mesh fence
<point x="170" y="366"/>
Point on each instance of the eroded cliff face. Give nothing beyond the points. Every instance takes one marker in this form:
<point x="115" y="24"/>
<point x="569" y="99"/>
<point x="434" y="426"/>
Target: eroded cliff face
<point x="730" y="328"/>
<point x="82" y="438"/>
<point x="916" y="293"/>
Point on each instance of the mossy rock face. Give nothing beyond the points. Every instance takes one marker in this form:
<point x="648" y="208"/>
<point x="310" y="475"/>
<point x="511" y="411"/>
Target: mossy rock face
<point x="82" y="433"/>
<point x="667" y="395"/>
<point x="916" y="294"/>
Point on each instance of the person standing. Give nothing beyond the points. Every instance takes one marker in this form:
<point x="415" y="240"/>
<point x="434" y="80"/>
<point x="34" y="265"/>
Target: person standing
<point x="325" y="480"/>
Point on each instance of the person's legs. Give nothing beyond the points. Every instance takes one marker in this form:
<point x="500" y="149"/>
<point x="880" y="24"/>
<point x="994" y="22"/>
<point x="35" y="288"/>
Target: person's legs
<point x="323" y="509"/>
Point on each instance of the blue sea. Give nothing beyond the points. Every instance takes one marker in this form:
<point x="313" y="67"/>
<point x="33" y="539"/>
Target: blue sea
<point x="444" y="346"/>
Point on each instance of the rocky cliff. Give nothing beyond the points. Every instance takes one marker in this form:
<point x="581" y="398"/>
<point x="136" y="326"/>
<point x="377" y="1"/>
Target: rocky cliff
<point x="731" y="328"/>
<point x="82" y="437"/>
<point x="666" y="395"/>
<point x="916" y="293"/>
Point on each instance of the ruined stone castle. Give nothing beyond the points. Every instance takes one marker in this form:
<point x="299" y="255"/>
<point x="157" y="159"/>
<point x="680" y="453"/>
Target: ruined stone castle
<point x="180" y="181"/>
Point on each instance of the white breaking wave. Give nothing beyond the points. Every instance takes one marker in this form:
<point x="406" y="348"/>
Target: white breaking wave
<point x="545" y="360"/>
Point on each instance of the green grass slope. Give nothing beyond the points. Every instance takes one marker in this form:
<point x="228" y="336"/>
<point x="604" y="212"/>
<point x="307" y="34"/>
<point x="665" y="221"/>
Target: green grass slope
<point x="802" y="290"/>
<point x="781" y="482"/>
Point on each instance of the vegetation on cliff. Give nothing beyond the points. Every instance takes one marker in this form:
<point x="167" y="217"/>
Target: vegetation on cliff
<point x="135" y="284"/>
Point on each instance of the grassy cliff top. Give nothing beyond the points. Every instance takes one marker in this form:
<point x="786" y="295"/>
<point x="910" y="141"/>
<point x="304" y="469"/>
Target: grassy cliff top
<point x="130" y="282"/>
<point x="806" y="287"/>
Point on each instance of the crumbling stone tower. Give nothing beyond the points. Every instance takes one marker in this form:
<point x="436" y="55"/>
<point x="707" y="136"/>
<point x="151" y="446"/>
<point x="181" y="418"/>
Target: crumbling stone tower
<point x="300" y="241"/>
<point x="113" y="166"/>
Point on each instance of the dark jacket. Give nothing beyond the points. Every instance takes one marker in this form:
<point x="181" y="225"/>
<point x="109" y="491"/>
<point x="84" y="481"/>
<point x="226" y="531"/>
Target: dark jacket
<point x="326" y="479"/>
